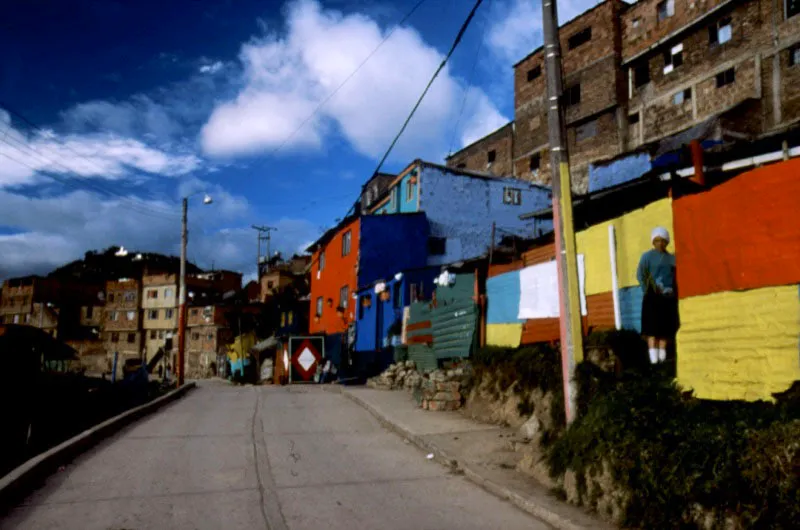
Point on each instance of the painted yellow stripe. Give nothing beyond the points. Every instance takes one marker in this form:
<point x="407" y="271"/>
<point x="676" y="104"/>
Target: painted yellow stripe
<point x="506" y="335"/>
<point x="572" y="263"/>
<point x="740" y="345"/>
<point x="633" y="238"/>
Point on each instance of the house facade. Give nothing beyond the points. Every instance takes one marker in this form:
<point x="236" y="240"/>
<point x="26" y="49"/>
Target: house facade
<point x="123" y="333"/>
<point x="462" y="207"/>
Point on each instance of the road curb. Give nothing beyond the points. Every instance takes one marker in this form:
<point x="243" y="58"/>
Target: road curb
<point x="541" y="512"/>
<point x="19" y="481"/>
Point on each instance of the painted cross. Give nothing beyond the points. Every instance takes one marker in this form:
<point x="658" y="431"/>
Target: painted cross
<point x="305" y="360"/>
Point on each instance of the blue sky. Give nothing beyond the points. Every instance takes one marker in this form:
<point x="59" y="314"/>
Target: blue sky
<point x="133" y="105"/>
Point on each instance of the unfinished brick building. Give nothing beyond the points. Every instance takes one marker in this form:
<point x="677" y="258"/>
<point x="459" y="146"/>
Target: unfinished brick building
<point x="492" y="154"/>
<point x="637" y="74"/>
<point x="122" y="332"/>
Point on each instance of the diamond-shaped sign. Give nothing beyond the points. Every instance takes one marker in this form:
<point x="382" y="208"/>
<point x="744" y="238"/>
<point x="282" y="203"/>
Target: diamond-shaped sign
<point x="305" y="360"/>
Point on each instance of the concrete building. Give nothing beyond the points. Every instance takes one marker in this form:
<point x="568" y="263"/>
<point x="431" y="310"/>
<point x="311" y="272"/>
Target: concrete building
<point x="160" y="310"/>
<point x="493" y="154"/>
<point x="207" y="337"/>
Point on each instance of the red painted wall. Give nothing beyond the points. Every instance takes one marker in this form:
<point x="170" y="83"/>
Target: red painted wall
<point x="744" y="234"/>
<point x="339" y="271"/>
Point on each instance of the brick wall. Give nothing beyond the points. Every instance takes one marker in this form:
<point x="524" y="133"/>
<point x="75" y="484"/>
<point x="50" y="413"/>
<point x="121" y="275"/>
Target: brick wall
<point x="122" y="319"/>
<point x="641" y="27"/>
<point x="475" y="156"/>
<point x="122" y="343"/>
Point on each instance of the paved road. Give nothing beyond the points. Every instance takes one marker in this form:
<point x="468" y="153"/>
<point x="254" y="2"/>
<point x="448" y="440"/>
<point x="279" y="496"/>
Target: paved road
<point x="261" y="457"/>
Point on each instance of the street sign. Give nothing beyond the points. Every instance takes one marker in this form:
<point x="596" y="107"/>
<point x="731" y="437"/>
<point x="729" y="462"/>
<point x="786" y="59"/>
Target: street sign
<point x="305" y="359"/>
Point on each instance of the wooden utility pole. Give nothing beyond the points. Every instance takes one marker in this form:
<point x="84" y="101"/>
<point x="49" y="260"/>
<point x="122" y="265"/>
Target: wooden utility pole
<point x="261" y="230"/>
<point x="566" y="256"/>
<point x="179" y="369"/>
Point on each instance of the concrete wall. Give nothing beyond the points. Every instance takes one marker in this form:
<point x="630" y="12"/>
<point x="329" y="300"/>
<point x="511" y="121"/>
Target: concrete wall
<point x="462" y="209"/>
<point x="391" y="243"/>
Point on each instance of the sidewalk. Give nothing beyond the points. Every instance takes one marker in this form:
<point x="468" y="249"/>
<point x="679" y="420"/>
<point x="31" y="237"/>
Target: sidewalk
<point x="484" y="453"/>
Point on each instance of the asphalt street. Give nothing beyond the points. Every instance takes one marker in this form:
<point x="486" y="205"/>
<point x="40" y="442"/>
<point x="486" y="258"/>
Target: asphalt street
<point x="261" y="457"/>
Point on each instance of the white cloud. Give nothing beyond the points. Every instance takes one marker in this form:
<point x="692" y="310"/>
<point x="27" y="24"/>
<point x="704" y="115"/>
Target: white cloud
<point x="212" y="68"/>
<point x="287" y="75"/>
<point x="56" y="230"/>
<point x="516" y="29"/>
<point x="108" y="156"/>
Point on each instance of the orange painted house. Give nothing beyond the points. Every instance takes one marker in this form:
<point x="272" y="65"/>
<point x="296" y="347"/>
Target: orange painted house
<point x="334" y="272"/>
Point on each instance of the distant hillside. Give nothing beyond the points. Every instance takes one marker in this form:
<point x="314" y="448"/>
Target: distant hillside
<point x="102" y="266"/>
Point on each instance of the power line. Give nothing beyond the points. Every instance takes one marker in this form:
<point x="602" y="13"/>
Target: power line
<point x="457" y="40"/>
<point x="466" y="90"/>
<point x="435" y="74"/>
<point x="142" y="206"/>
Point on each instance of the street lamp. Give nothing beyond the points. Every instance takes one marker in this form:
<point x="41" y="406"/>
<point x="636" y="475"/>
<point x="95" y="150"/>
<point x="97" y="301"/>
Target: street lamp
<point x="182" y="292"/>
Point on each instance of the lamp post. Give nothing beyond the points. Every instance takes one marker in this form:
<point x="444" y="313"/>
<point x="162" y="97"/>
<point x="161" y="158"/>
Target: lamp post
<point x="182" y="292"/>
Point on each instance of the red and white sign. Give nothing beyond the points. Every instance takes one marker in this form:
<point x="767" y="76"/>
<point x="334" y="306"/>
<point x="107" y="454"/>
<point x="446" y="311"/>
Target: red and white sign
<point x="305" y="360"/>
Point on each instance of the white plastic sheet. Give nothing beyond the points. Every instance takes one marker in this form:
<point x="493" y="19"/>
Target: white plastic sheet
<point x="539" y="290"/>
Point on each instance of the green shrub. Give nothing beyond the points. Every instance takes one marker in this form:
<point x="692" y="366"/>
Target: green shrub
<point x="669" y="452"/>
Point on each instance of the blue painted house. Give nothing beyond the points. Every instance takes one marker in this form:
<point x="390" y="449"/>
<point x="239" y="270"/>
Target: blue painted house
<point x="461" y="207"/>
<point x="380" y="306"/>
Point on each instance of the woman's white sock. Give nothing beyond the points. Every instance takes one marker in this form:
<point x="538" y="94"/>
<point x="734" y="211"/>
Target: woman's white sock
<point x="662" y="355"/>
<point x="653" y="355"/>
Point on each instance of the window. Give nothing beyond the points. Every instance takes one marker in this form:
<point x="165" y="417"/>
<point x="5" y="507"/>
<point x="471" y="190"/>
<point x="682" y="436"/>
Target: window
<point x="534" y="73"/>
<point x="409" y="191"/>
<point x="131" y="338"/>
<point x="666" y="9"/>
<point x="89" y="311"/>
<point x="633" y="119"/>
<point x="168" y="293"/>
<point x="210" y="337"/>
<point x="283" y="319"/>
<point x="152" y="293"/>
<point x="684" y="95"/>
<point x="169" y="313"/>
<point x="721" y="32"/>
<point x="641" y="74"/>
<point x="794" y="55"/>
<point x="344" y="294"/>
<point x="437" y="246"/>
<point x="113" y="316"/>
<point x="27" y="318"/>
<point x="792" y="7"/>
<point x="635" y="22"/>
<point x="346" y="238"/>
<point x="397" y="298"/>
<point x="586" y="131"/>
<point x="195" y="336"/>
<point x="319" y="306"/>
<point x="582" y="37"/>
<point x="153" y="334"/>
<point x="130" y="296"/>
<point x="152" y="314"/>
<point x="726" y="78"/>
<point x="535" y="162"/>
<point x="111" y="298"/>
<point x="673" y="58"/>
<point x="131" y="315"/>
<point x="115" y="337"/>
<point x="161" y="334"/>
<point x="270" y="284"/>
<point x="16" y="319"/>
<point x="491" y="156"/>
<point x="572" y="95"/>
<point x="290" y="318"/>
<point x="321" y="261"/>
<point x="194" y="312"/>
<point x="512" y="196"/>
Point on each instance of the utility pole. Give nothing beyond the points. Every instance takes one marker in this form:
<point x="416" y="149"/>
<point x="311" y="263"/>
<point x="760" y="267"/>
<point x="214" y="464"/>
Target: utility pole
<point x="182" y="296"/>
<point x="260" y="230"/>
<point x="566" y="256"/>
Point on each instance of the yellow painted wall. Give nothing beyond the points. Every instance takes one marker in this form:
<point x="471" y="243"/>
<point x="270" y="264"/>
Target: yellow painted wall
<point x="506" y="335"/>
<point x="740" y="345"/>
<point x="633" y="239"/>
